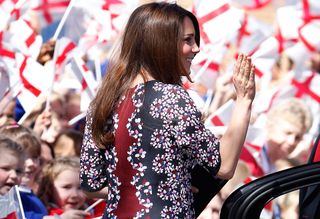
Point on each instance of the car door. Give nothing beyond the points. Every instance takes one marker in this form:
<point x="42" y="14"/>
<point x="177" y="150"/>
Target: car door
<point x="248" y="201"/>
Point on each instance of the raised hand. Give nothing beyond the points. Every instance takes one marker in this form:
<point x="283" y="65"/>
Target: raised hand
<point x="243" y="78"/>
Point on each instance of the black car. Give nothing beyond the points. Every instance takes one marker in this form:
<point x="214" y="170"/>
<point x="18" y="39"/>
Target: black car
<point x="248" y="201"/>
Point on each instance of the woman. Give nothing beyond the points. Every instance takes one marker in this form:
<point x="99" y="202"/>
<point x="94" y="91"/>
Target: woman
<point x="143" y="132"/>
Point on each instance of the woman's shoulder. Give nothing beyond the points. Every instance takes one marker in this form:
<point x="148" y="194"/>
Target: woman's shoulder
<point x="168" y="89"/>
<point x="167" y="95"/>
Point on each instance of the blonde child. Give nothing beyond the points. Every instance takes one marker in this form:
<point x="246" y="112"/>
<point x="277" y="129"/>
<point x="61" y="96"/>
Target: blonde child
<point x="60" y="188"/>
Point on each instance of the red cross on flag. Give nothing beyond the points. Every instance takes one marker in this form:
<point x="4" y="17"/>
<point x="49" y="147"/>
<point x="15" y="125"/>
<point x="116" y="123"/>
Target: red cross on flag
<point x="310" y="9"/>
<point x="66" y="49"/>
<point x="307" y="85"/>
<point x="309" y="34"/>
<point x="251" y="4"/>
<point x="7" y="54"/>
<point x="35" y="79"/>
<point x="24" y="39"/>
<point x="251" y="34"/>
<point x="49" y="11"/>
<point x="222" y="115"/>
<point x="217" y="20"/>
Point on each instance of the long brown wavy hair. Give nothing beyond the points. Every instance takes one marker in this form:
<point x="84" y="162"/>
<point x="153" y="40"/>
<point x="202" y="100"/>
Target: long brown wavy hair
<point x="151" y="43"/>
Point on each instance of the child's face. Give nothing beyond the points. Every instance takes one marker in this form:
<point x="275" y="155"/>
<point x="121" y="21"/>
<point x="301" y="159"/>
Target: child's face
<point x="64" y="147"/>
<point x="11" y="170"/>
<point x="31" y="170"/>
<point x="68" y="194"/>
<point x="283" y="139"/>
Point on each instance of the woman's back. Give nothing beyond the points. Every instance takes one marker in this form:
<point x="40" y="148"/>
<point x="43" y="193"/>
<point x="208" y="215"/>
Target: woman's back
<point x="158" y="139"/>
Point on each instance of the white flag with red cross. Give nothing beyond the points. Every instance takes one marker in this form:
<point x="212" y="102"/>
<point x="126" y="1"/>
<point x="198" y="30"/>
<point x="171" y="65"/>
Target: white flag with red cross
<point x="97" y="32"/>
<point x="87" y="81"/>
<point x="268" y="52"/>
<point x="255" y="139"/>
<point x="301" y="21"/>
<point x="13" y="10"/>
<point x="49" y="11"/>
<point x="35" y="79"/>
<point x="309" y="35"/>
<point x="24" y="39"/>
<point x="307" y="85"/>
<point x="65" y="50"/>
<point x="300" y="55"/>
<point x="310" y="9"/>
<point x="110" y="13"/>
<point x="251" y="34"/>
<point x="265" y="56"/>
<point x="217" y="20"/>
<point x="206" y="64"/>
<point x="7" y="53"/>
<point x="222" y="116"/>
<point x="289" y="20"/>
<point x="265" y="99"/>
<point x="11" y="205"/>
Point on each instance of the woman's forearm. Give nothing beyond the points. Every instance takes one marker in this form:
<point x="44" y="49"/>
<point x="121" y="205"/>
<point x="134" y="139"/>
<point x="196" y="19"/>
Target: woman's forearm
<point x="233" y="139"/>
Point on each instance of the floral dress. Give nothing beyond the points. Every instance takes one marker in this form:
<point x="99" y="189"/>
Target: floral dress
<point x="159" y="138"/>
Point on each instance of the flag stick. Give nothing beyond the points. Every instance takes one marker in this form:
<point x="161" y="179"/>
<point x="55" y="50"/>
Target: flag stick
<point x="208" y="101"/>
<point x="94" y="205"/>
<point x="53" y="72"/>
<point x="63" y="20"/>
<point x="76" y="118"/>
<point x="98" y="69"/>
<point x="210" y="58"/>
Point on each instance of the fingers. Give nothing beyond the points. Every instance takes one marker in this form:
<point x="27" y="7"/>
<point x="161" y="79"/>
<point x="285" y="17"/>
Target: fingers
<point x="247" y="68"/>
<point x="243" y="77"/>
<point x="252" y="73"/>
<point x="244" y="68"/>
<point x="238" y="64"/>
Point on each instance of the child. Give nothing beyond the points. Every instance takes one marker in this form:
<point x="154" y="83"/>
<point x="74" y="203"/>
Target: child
<point x="28" y="155"/>
<point x="68" y="143"/>
<point x="60" y="190"/>
<point x="31" y="146"/>
<point x="11" y="164"/>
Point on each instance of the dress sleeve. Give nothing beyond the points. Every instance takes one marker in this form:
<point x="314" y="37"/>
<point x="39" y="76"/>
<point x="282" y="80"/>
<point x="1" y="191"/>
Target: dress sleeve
<point x="199" y="143"/>
<point x="93" y="161"/>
